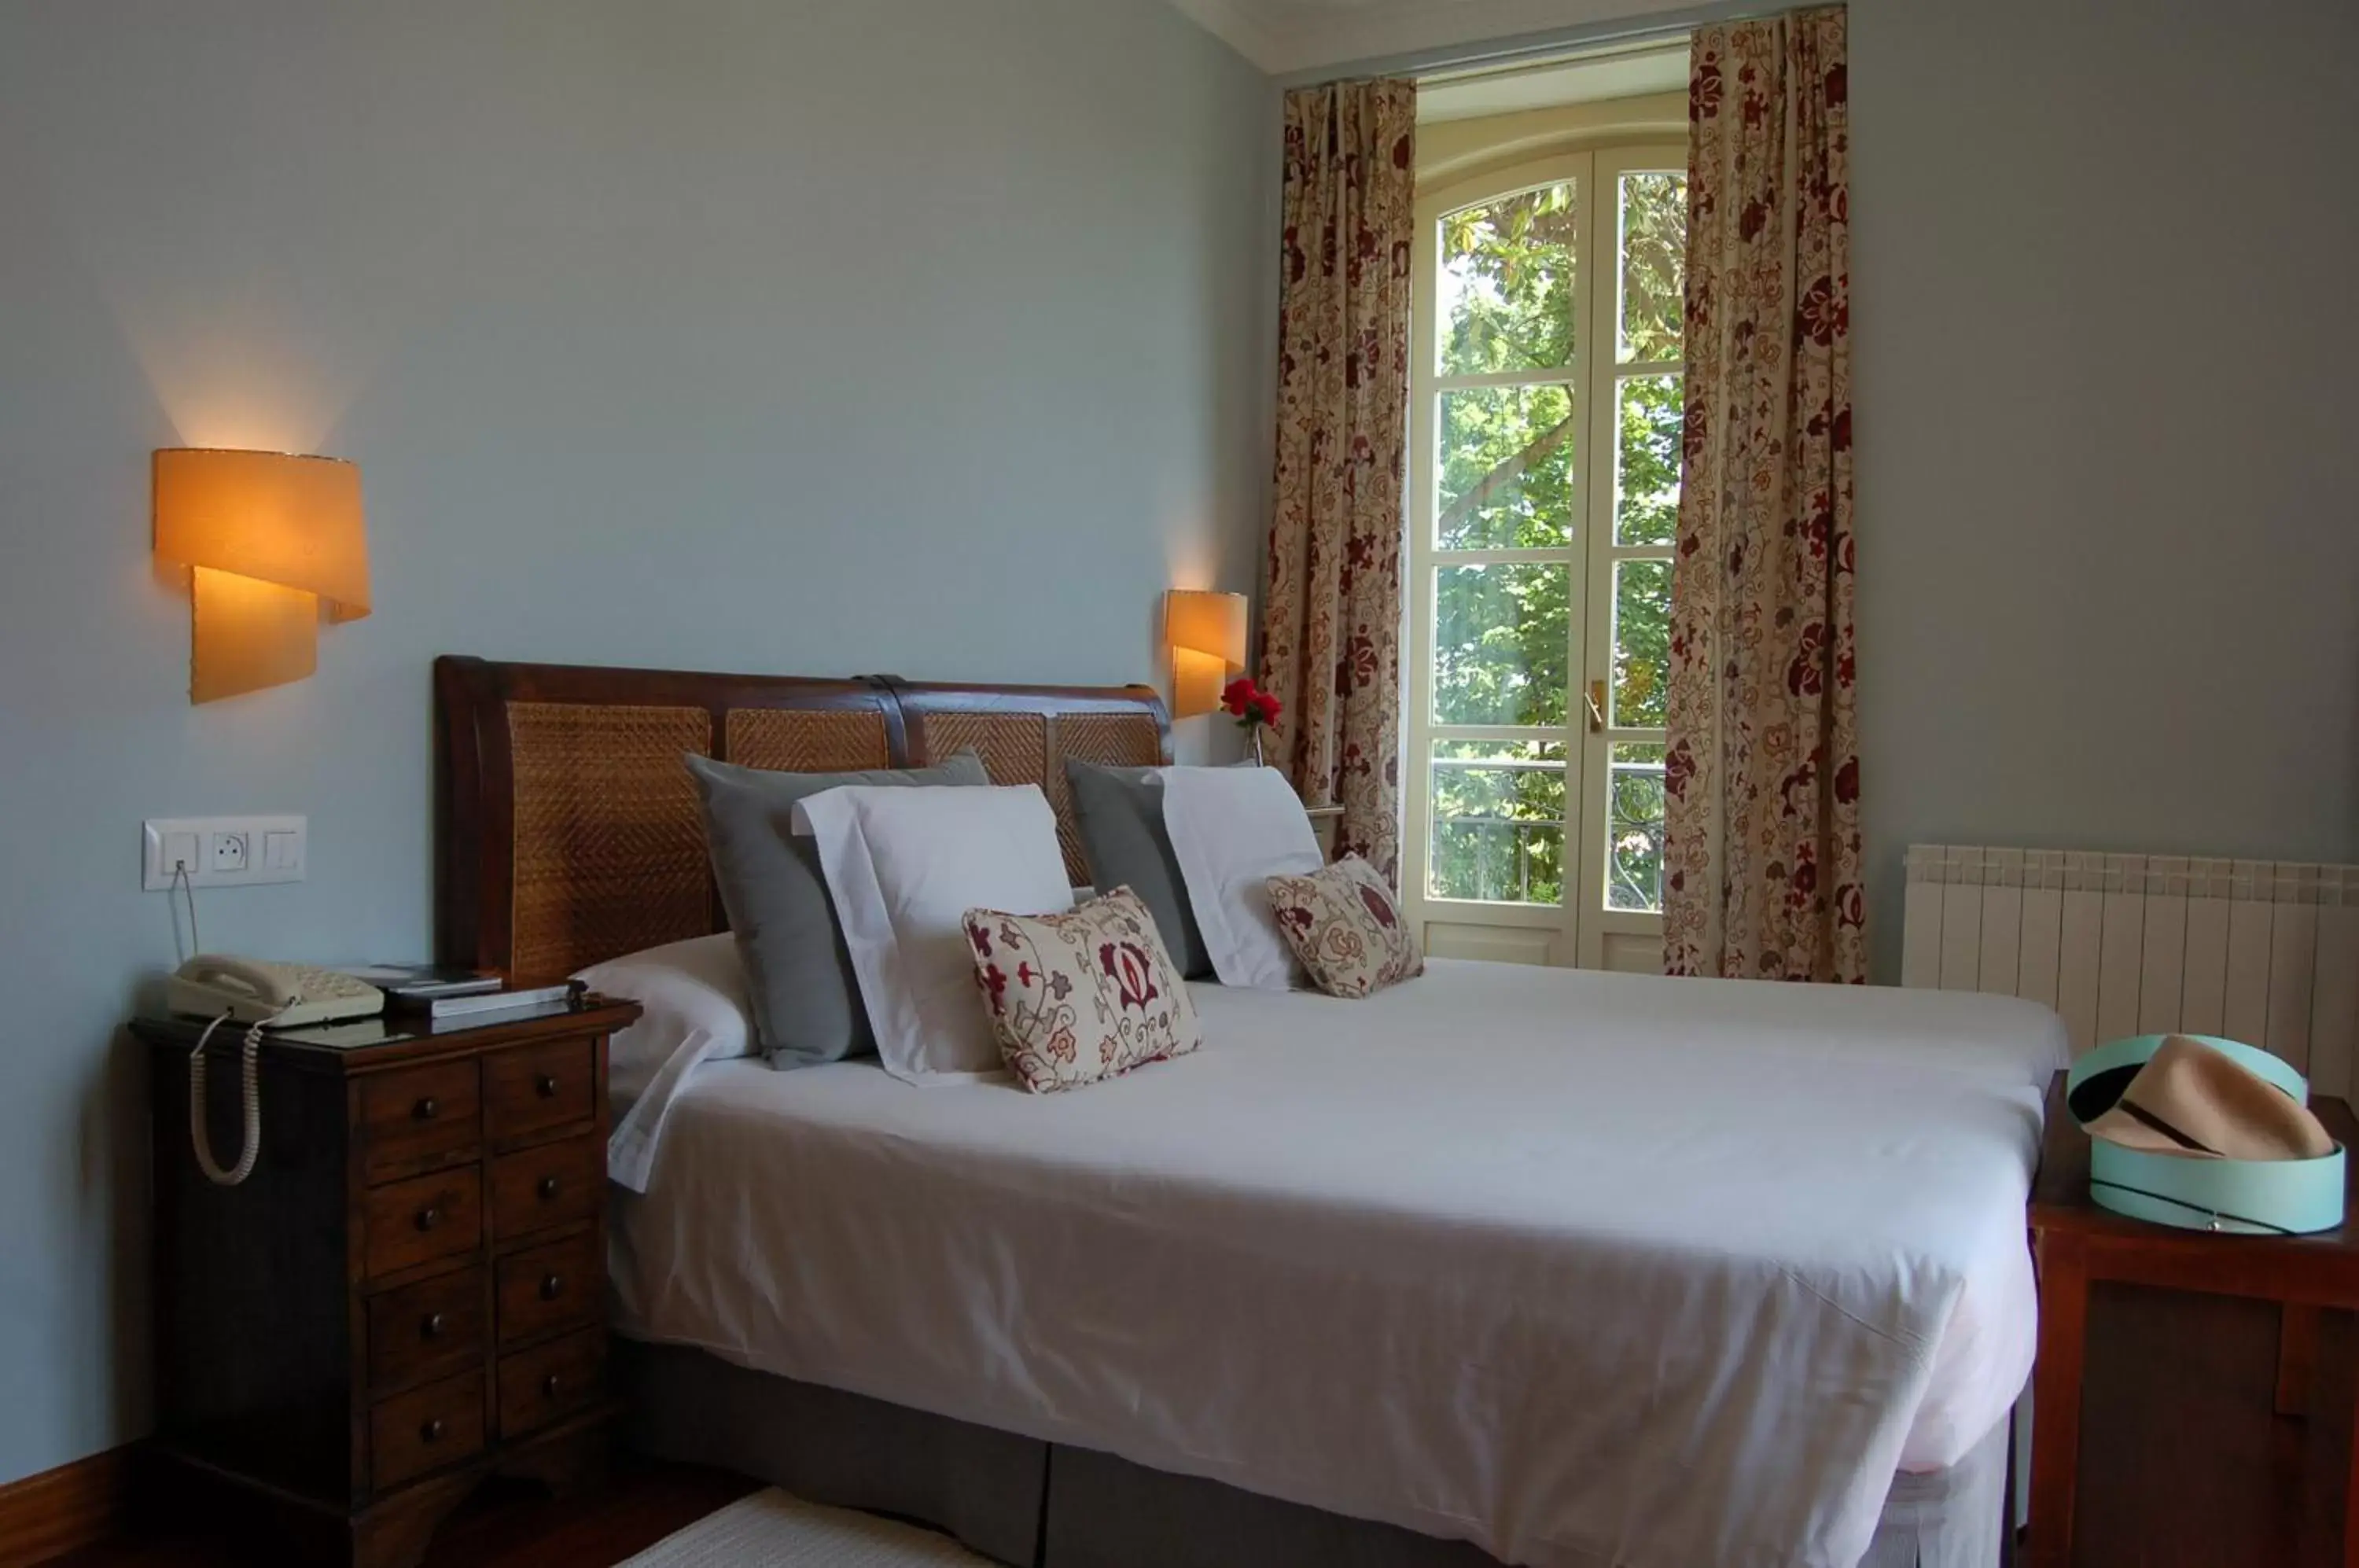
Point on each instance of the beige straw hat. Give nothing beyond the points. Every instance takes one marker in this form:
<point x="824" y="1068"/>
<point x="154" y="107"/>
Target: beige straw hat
<point x="2191" y="1101"/>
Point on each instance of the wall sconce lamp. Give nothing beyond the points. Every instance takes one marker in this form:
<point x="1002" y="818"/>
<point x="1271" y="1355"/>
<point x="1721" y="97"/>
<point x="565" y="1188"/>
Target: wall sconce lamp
<point x="270" y="537"/>
<point x="1207" y="637"/>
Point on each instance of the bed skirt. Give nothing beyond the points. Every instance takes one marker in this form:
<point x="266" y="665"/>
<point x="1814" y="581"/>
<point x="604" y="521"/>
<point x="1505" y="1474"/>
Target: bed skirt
<point x="1031" y="1503"/>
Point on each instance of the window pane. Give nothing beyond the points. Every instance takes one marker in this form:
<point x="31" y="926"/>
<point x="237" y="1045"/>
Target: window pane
<point x="1649" y="417"/>
<point x="1654" y="257"/>
<point x="1633" y="829"/>
<point x="1506" y="282"/>
<point x="1507" y="469"/>
<point x="1500" y="639"/>
<point x="1498" y="822"/>
<point x="1642" y="642"/>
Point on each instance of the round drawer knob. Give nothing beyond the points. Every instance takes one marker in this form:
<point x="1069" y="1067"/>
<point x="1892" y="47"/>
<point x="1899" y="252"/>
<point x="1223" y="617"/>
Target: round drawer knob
<point x="548" y="1188"/>
<point x="426" y="1109"/>
<point x="433" y="1327"/>
<point x="429" y="1218"/>
<point x="431" y="1432"/>
<point x="551" y="1287"/>
<point x="551" y="1384"/>
<point x="545" y="1085"/>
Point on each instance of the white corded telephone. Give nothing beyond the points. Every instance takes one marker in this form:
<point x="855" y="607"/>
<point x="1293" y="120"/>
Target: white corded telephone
<point x="261" y="995"/>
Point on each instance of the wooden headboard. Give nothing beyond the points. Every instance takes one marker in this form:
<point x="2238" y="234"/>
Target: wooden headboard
<point x="567" y="828"/>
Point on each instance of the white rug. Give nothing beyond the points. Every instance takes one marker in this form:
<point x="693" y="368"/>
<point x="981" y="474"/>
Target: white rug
<point x="771" y="1530"/>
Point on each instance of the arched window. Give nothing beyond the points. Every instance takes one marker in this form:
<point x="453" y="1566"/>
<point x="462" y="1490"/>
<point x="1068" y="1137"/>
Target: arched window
<point x="1543" y="505"/>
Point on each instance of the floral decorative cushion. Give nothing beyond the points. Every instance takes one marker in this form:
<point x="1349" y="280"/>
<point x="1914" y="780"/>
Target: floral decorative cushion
<point x="1345" y="925"/>
<point x="1080" y="996"/>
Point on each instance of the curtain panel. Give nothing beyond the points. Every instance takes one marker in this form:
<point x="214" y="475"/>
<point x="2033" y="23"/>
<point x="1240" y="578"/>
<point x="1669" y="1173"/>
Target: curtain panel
<point x="1332" y="606"/>
<point x="1762" y="865"/>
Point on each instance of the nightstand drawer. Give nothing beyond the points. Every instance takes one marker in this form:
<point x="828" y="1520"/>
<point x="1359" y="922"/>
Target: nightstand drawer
<point x="422" y="1219"/>
<point x="440" y="1424"/>
<point x="548" y="1185"/>
<point x="419" y="1118"/>
<point x="541" y="1086"/>
<point x="546" y="1384"/>
<point x="551" y="1287"/>
<point x="426" y="1330"/>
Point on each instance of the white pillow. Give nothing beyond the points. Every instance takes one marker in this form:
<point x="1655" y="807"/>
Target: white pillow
<point x="1232" y="829"/>
<point x="693" y="1009"/>
<point x="903" y="867"/>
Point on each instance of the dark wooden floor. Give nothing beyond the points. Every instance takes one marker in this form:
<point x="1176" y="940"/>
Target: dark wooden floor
<point x="2183" y="1463"/>
<point x="504" y="1527"/>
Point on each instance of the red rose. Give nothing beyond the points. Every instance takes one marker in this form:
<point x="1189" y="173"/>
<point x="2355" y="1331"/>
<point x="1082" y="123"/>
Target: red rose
<point x="1248" y="703"/>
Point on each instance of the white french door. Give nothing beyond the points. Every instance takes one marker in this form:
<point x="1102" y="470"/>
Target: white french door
<point x="1543" y="505"/>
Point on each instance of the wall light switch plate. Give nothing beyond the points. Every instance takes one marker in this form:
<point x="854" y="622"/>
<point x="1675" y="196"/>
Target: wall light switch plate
<point x="222" y="852"/>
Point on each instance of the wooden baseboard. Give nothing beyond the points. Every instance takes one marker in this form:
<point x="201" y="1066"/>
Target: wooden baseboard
<point x="59" y="1511"/>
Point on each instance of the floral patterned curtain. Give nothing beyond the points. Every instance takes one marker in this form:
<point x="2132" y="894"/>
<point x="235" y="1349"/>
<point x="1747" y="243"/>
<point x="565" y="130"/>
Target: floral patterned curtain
<point x="1762" y="867"/>
<point x="1332" y="595"/>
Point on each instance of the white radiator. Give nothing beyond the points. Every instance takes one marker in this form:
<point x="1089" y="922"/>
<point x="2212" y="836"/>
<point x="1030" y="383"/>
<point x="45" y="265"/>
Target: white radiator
<point x="2263" y="951"/>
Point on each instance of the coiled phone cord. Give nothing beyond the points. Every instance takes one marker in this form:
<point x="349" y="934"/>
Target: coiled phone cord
<point x="250" y="1092"/>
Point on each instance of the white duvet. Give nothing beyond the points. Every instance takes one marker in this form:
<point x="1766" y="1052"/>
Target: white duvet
<point x="1586" y="1268"/>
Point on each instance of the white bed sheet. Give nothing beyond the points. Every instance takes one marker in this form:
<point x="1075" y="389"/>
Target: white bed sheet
<point x="1585" y="1269"/>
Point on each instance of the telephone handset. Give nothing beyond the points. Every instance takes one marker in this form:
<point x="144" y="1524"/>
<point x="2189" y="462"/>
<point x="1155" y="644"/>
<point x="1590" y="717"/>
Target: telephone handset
<point x="282" y="995"/>
<point x="261" y="995"/>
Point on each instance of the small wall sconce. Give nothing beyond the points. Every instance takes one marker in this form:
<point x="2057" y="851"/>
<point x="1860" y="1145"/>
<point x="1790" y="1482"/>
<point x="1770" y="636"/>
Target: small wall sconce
<point x="271" y="537"/>
<point x="1206" y="633"/>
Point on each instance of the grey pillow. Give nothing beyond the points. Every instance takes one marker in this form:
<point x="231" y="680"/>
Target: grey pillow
<point x="799" y="977"/>
<point x="1119" y="812"/>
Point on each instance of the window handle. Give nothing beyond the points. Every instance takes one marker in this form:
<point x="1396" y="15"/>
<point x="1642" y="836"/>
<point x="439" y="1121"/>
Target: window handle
<point x="1597" y="695"/>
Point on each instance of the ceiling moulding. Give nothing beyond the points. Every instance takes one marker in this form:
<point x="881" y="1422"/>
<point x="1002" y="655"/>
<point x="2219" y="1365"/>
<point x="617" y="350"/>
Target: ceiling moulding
<point x="1229" y="21"/>
<point x="1310" y="40"/>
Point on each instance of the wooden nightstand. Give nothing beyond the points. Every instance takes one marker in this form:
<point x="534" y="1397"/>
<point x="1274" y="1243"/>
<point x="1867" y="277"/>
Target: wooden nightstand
<point x="2078" y="1244"/>
<point x="408" y="1292"/>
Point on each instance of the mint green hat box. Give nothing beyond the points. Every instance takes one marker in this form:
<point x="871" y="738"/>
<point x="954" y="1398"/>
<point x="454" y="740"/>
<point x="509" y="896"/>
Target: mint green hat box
<point x="2240" y="1197"/>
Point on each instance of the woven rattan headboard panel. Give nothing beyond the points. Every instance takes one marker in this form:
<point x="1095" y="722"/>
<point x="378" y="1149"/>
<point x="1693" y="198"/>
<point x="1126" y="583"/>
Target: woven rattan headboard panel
<point x="567" y="830"/>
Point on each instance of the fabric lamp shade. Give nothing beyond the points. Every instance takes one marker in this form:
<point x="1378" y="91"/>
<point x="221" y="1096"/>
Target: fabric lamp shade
<point x="1206" y="632"/>
<point x="271" y="538"/>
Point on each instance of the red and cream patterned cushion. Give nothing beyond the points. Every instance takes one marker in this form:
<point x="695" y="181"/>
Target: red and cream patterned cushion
<point x="1345" y="925"/>
<point x="1079" y="996"/>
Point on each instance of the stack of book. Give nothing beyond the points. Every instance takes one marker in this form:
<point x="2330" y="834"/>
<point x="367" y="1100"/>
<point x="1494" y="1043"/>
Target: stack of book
<point x="438" y="991"/>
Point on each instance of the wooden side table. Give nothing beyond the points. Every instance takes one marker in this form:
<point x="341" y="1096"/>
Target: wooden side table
<point x="408" y="1294"/>
<point x="2078" y="1244"/>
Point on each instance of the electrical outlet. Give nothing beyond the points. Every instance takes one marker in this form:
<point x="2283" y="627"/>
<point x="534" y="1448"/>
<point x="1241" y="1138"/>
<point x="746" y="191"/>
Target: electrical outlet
<point x="222" y="852"/>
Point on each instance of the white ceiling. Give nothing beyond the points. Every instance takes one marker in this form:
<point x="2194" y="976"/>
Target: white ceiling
<point x="1287" y="37"/>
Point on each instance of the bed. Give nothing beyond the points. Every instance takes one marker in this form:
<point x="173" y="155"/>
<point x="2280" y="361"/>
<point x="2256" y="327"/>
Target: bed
<point x="1649" y="1272"/>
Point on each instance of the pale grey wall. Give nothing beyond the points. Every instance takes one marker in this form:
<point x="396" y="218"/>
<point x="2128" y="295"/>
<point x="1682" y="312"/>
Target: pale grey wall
<point x="2105" y="314"/>
<point x="929" y="335"/>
